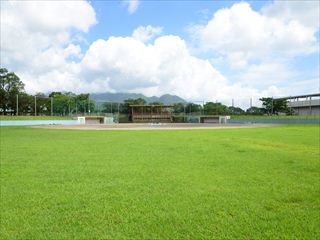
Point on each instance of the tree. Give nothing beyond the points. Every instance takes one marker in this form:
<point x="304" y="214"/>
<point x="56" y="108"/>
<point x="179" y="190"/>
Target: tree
<point x="178" y="108"/>
<point x="26" y="104"/>
<point x="110" y="107"/>
<point x="274" y="106"/>
<point x="125" y="107"/>
<point x="211" y="108"/>
<point x="83" y="103"/>
<point x="43" y="104"/>
<point x="193" y="108"/>
<point x="70" y="103"/>
<point x="255" y="111"/>
<point x="235" y="111"/>
<point x="10" y="86"/>
<point x="156" y="103"/>
<point x="60" y="104"/>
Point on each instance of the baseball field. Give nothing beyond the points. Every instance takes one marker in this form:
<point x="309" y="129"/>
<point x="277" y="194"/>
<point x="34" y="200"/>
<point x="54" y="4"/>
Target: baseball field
<point x="255" y="183"/>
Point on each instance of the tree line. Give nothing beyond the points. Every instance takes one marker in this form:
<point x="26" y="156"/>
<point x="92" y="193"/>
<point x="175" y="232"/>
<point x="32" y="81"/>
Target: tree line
<point x="14" y="100"/>
<point x="270" y="106"/>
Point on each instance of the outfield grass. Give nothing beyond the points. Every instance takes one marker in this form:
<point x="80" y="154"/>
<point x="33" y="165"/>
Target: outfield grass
<point x="6" y="117"/>
<point x="187" y="184"/>
<point x="275" y="117"/>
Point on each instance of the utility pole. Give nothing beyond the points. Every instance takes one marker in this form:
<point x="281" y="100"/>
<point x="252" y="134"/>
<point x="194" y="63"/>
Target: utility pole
<point x="51" y="106"/>
<point x="17" y="107"/>
<point x="118" y="112"/>
<point x="89" y="104"/>
<point x="232" y="102"/>
<point x="250" y="102"/>
<point x="35" y="105"/>
<point x="203" y="108"/>
<point x="69" y="105"/>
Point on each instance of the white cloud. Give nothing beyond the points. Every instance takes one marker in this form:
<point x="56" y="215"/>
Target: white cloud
<point x="36" y="40"/>
<point x="267" y="73"/>
<point x="166" y="66"/>
<point x="132" y="5"/>
<point x="41" y="49"/>
<point x="146" y="33"/>
<point x="306" y="12"/>
<point x="242" y="34"/>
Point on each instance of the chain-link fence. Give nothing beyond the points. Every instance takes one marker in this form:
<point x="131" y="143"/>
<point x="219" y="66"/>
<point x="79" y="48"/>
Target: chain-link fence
<point x="82" y="105"/>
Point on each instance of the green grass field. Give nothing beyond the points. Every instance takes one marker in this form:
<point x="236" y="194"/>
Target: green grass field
<point x="35" y="117"/>
<point x="124" y="115"/>
<point x="259" y="183"/>
<point x="275" y="117"/>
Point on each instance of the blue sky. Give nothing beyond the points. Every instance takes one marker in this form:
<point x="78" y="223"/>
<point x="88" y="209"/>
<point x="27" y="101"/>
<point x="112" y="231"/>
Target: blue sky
<point x="199" y="50"/>
<point x="174" y="16"/>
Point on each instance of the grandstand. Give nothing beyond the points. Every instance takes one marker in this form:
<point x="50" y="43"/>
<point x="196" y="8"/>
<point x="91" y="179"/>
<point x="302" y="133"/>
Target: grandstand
<point x="304" y="105"/>
<point x="151" y="113"/>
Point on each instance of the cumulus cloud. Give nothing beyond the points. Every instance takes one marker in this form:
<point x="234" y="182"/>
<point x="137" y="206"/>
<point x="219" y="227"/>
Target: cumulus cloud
<point x="267" y="73"/>
<point x="242" y="34"/>
<point x="305" y="12"/>
<point x="38" y="43"/>
<point x="166" y="66"/>
<point x="146" y="33"/>
<point x="37" y="39"/>
<point x="132" y="5"/>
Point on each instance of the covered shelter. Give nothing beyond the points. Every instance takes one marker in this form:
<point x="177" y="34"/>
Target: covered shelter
<point x="214" y="119"/>
<point x="151" y="113"/>
<point x="95" y="120"/>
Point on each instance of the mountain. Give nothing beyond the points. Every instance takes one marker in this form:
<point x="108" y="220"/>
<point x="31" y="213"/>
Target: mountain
<point x="169" y="99"/>
<point x="120" y="97"/>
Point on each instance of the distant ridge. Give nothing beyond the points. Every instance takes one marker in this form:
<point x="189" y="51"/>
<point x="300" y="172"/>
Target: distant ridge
<point x="120" y="97"/>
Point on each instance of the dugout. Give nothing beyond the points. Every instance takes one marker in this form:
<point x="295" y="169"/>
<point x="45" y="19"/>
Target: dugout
<point x="214" y="119"/>
<point x="95" y="120"/>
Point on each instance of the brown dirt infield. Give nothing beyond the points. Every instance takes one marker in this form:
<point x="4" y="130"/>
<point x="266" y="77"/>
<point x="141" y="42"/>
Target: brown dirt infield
<point x="148" y="126"/>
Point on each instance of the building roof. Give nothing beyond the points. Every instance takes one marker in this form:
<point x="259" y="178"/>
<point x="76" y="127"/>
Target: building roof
<point x="300" y="96"/>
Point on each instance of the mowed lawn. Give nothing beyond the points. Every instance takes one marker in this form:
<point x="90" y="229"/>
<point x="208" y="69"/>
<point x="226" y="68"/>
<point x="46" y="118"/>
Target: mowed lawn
<point x="187" y="184"/>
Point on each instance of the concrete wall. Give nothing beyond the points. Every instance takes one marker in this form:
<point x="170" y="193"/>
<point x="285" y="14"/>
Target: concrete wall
<point x="307" y="111"/>
<point x="306" y="107"/>
<point x="275" y="121"/>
